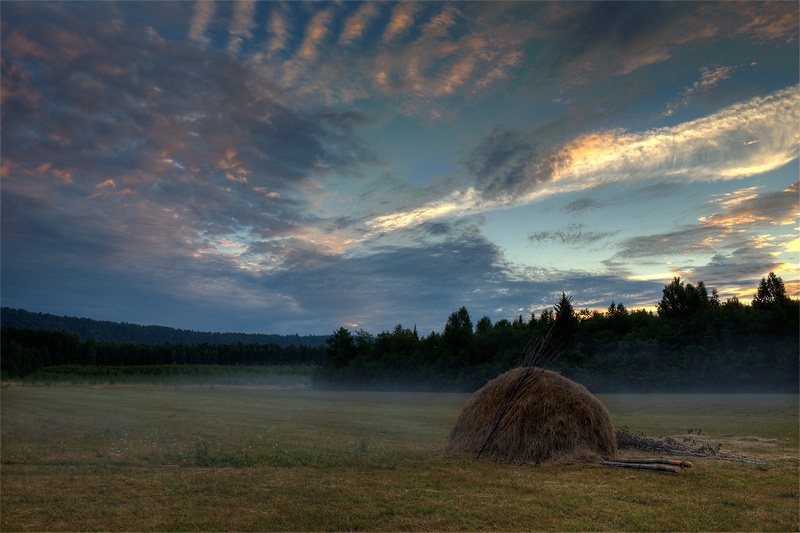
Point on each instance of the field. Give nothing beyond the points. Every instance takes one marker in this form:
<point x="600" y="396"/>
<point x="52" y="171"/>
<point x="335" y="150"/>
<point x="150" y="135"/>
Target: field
<point x="236" y="458"/>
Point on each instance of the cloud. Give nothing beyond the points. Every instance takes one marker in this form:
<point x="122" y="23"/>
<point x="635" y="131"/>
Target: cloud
<point x="209" y="156"/>
<point x="18" y="45"/>
<point x="278" y="27"/>
<point x="203" y="13"/>
<point x="768" y="21"/>
<point x="316" y="31"/>
<point x="242" y="24"/>
<point x="207" y="189"/>
<point x="708" y="79"/>
<point x="509" y="163"/>
<point x="745" y="206"/>
<point x="402" y="19"/>
<point x="615" y="39"/>
<point x="574" y="234"/>
<point x="744" y="228"/>
<point x="701" y="149"/>
<point x="582" y="204"/>
<point x="457" y="203"/>
<point x="606" y="39"/>
<point x="445" y="60"/>
<point x="511" y="167"/>
<point x="422" y="283"/>
<point x="357" y="23"/>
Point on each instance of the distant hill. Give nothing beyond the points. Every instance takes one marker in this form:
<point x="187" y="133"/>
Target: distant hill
<point x="102" y="331"/>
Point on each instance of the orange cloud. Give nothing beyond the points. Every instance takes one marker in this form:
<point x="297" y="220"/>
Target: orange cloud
<point x="203" y="12"/>
<point x="15" y="85"/>
<point x="402" y="19"/>
<point x="47" y="168"/>
<point x="279" y="28"/>
<point x="239" y="177"/>
<point x="769" y="21"/>
<point x="354" y="26"/>
<point x="18" y="44"/>
<point x="316" y="31"/>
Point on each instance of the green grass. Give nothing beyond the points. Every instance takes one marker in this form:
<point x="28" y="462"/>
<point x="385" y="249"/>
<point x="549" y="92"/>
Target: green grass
<point x="237" y="458"/>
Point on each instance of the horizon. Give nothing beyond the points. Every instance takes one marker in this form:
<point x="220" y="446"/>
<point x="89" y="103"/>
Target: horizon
<point x="292" y="168"/>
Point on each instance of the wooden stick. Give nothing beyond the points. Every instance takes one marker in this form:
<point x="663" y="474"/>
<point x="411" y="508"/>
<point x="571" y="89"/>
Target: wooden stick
<point x="660" y="467"/>
<point x="673" y="462"/>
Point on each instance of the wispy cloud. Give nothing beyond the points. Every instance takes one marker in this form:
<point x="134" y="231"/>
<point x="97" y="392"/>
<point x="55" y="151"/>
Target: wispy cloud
<point x="316" y="31"/>
<point x="745" y="227"/>
<point x="242" y="24"/>
<point x="574" y="234"/>
<point x="768" y="21"/>
<point x="708" y="79"/>
<point x="706" y="148"/>
<point x="358" y="22"/>
<point x="510" y="167"/>
<point x="402" y="19"/>
<point x="278" y="27"/>
<point x="203" y="12"/>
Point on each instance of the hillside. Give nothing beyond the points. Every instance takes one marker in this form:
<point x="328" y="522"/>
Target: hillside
<point x="106" y="331"/>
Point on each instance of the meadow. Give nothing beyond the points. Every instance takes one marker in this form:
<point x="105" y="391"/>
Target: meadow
<point x="162" y="457"/>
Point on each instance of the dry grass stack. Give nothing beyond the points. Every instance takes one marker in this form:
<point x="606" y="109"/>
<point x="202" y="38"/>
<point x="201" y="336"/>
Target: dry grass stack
<point x="552" y="419"/>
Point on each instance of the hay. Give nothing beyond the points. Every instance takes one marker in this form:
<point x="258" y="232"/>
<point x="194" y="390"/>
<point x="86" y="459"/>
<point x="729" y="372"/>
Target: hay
<point x="552" y="419"/>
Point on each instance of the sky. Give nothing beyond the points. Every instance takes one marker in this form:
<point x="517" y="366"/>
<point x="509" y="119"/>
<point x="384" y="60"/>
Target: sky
<point x="297" y="167"/>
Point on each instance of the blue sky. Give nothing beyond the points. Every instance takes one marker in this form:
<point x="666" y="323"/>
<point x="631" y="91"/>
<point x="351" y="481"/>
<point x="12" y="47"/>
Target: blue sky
<point x="297" y="167"/>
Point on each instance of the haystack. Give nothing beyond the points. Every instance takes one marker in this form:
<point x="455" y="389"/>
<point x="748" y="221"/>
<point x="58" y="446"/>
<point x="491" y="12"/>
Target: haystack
<point x="551" y="419"/>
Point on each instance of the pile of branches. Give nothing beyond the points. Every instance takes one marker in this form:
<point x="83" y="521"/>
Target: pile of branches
<point x="666" y="445"/>
<point x="669" y="446"/>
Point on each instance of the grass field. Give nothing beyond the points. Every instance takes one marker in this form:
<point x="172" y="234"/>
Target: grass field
<point x="235" y="458"/>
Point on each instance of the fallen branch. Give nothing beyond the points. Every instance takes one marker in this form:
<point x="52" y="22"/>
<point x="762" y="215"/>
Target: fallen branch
<point x="662" y="468"/>
<point x="672" y="462"/>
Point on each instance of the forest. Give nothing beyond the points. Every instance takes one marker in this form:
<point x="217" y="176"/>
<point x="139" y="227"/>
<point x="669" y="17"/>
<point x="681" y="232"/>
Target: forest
<point x="104" y="330"/>
<point x="694" y="342"/>
<point x="26" y="351"/>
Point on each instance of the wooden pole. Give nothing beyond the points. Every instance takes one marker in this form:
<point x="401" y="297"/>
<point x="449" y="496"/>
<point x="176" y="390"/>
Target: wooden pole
<point x="662" y="468"/>
<point x="673" y="462"/>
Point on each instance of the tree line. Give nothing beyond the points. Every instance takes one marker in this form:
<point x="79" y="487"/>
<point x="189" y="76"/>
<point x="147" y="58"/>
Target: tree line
<point x="26" y="351"/>
<point x="105" y="331"/>
<point x="693" y="342"/>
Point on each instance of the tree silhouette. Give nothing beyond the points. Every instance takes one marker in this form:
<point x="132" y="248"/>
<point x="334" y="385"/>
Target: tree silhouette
<point x="770" y="291"/>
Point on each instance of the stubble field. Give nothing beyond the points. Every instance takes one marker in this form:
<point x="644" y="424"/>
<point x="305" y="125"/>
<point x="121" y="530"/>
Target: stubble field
<point x="236" y="458"/>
